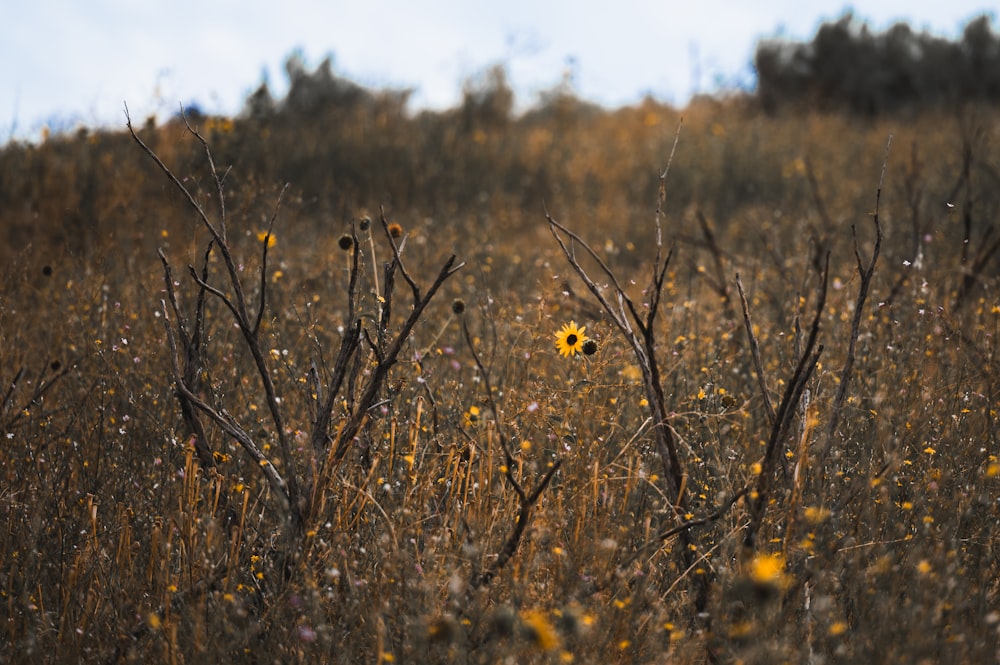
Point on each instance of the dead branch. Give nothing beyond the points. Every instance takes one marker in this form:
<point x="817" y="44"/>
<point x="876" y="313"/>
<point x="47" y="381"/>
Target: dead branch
<point x="389" y="357"/>
<point x="526" y="501"/>
<point x="247" y="325"/>
<point x="755" y="353"/>
<point x="866" y="273"/>
<point x="808" y="359"/>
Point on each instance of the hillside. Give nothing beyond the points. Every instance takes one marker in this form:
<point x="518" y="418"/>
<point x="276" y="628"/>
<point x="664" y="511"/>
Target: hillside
<point x="365" y="424"/>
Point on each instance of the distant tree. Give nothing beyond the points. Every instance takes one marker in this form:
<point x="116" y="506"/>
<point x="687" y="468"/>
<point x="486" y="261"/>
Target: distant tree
<point x="487" y="99"/>
<point x="846" y="65"/>
<point x="982" y="52"/>
<point x="313" y="92"/>
<point x="260" y="103"/>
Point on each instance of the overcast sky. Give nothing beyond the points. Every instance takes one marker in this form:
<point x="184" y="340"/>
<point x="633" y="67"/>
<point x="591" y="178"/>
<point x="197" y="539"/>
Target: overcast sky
<point x="64" y="62"/>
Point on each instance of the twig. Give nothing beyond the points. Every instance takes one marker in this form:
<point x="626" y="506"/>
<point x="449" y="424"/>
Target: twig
<point x="514" y="539"/>
<point x="685" y="526"/>
<point x="755" y="353"/>
<point x="808" y="360"/>
<point x="263" y="260"/>
<point x="391" y="355"/>
<point x="639" y="333"/>
<point x="36" y="396"/>
<point x="191" y="341"/>
<point x="225" y="421"/>
<point x="526" y="501"/>
<point x="238" y="307"/>
<point x="866" y="273"/>
<point x="720" y="286"/>
<point x="395" y="253"/>
<point x="628" y="320"/>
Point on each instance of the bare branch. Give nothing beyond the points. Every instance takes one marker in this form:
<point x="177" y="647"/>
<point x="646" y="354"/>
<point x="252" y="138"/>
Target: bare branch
<point x="866" y="274"/>
<point x="348" y="346"/>
<point x="381" y="370"/>
<point x="515" y="536"/>
<point x="215" y="174"/>
<point x="249" y="332"/>
<point x="620" y="319"/>
<point x="215" y="292"/>
<point x="662" y="194"/>
<point x="192" y="359"/>
<point x="174" y="179"/>
<point x="508" y="456"/>
<point x="755" y="353"/>
<point x="263" y="260"/>
<point x="395" y="253"/>
<point x="684" y="526"/>
<point x="785" y="413"/>
<point x="720" y="285"/>
<point x="526" y="501"/>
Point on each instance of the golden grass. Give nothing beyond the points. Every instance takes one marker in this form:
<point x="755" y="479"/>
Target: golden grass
<point x="122" y="543"/>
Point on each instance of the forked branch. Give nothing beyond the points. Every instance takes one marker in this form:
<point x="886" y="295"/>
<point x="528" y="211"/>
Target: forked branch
<point x="526" y="501"/>
<point x="808" y="359"/>
<point x="772" y="417"/>
<point x="639" y="333"/>
<point x="866" y="272"/>
<point x="248" y="326"/>
<point x="388" y="358"/>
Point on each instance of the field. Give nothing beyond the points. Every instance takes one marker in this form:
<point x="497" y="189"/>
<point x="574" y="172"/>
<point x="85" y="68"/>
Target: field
<point x="351" y="385"/>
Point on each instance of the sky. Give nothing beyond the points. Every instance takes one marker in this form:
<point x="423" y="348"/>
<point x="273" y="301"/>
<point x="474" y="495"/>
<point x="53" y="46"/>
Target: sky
<point x="65" y="63"/>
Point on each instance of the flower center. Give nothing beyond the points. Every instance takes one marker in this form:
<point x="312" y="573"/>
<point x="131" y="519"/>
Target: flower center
<point x="571" y="340"/>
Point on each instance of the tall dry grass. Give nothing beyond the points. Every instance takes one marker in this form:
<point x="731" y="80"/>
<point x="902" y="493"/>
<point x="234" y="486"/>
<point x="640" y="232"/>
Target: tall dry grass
<point x="463" y="492"/>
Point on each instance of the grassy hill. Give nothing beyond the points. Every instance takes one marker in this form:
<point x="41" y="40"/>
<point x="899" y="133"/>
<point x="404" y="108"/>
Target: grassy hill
<point x="305" y="432"/>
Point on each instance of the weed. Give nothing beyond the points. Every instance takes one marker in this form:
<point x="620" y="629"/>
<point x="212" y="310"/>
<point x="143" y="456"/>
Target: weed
<point x="251" y="421"/>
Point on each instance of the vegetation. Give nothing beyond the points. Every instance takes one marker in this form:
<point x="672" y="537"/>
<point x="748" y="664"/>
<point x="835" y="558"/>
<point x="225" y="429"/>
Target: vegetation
<point x="847" y="66"/>
<point x="580" y="386"/>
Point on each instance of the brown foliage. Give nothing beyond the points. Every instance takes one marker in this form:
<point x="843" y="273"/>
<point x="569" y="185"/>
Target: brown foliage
<point x="464" y="492"/>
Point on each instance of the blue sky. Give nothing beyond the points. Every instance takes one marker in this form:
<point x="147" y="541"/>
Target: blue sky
<point x="64" y="62"/>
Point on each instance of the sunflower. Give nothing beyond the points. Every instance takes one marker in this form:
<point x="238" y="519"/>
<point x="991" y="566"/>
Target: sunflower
<point x="570" y="339"/>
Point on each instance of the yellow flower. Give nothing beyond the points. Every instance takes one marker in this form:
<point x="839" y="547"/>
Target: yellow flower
<point x="264" y="236"/>
<point x="570" y="339"/>
<point x="769" y="570"/>
<point x="472" y="416"/>
<point x="817" y="514"/>
<point x="539" y="630"/>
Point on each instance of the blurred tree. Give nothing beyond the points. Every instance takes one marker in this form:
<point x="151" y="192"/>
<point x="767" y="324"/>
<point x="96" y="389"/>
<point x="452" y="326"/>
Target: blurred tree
<point x="847" y="66"/>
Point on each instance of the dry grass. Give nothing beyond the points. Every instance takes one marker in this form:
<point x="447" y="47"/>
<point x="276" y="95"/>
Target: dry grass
<point x="472" y="495"/>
